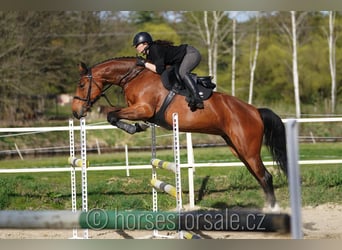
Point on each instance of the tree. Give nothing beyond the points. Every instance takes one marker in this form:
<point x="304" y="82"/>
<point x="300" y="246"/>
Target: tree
<point x="294" y="63"/>
<point x="39" y="52"/>
<point x="292" y="35"/>
<point x="213" y="28"/>
<point x="253" y="61"/>
<point x="141" y="17"/>
<point x="332" y="58"/>
<point x="233" y="56"/>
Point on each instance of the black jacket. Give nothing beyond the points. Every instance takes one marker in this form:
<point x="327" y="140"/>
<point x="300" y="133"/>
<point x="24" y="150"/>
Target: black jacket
<point x="162" y="55"/>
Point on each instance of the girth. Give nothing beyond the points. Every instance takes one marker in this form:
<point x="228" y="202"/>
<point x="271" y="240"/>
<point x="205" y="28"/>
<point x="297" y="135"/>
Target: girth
<point x="159" y="117"/>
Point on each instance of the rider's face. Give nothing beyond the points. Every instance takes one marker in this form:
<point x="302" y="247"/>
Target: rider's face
<point x="141" y="48"/>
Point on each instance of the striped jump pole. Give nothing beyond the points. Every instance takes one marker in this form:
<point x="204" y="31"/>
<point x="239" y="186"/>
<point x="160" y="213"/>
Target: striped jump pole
<point x="167" y="188"/>
<point x="76" y="162"/>
<point x="164" y="165"/>
<point x="98" y="219"/>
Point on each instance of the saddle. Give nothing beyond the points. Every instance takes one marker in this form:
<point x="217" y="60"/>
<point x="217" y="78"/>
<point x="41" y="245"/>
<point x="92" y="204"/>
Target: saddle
<point x="172" y="82"/>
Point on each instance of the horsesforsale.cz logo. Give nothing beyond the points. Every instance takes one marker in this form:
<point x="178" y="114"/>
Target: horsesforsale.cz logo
<point x="97" y="219"/>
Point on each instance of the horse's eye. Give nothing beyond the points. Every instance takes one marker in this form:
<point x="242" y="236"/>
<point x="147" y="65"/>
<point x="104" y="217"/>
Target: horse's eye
<point x="81" y="85"/>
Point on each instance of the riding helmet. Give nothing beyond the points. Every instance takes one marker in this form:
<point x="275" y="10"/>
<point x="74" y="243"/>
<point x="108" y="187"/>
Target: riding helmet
<point x="142" y="37"/>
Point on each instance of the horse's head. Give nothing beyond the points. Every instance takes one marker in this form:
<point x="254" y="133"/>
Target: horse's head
<point x="116" y="71"/>
<point x="89" y="89"/>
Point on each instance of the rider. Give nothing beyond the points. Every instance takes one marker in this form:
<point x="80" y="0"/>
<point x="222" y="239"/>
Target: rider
<point x="161" y="53"/>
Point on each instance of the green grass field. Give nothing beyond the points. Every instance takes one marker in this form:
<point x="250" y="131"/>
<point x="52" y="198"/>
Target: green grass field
<point x="218" y="187"/>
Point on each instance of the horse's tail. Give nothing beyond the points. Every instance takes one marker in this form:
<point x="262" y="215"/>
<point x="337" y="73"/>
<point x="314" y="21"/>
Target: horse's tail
<point x="274" y="137"/>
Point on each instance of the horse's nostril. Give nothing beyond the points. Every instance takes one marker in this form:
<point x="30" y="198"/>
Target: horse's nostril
<point x="76" y="115"/>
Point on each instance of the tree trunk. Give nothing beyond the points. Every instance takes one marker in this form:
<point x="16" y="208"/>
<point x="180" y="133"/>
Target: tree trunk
<point x="294" y="63"/>
<point x="253" y="62"/>
<point x="233" y="57"/>
<point x="215" y="45"/>
<point x="208" y="42"/>
<point x="332" y="59"/>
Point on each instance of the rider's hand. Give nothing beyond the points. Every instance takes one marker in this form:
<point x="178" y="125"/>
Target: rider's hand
<point x="140" y="61"/>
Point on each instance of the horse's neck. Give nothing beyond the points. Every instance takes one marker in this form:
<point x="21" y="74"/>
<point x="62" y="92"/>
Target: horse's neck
<point x="114" y="73"/>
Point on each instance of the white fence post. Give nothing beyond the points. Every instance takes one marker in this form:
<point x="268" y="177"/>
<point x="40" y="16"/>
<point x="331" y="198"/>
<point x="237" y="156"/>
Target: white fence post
<point x="294" y="178"/>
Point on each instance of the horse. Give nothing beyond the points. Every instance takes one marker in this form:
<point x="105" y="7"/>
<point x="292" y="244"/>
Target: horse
<point x="243" y="127"/>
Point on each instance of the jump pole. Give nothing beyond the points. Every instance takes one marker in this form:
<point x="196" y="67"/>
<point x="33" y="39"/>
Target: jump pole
<point x="98" y="219"/>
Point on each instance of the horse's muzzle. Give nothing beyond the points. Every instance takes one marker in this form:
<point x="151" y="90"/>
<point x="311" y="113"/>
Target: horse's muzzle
<point x="77" y="115"/>
<point x="78" y="110"/>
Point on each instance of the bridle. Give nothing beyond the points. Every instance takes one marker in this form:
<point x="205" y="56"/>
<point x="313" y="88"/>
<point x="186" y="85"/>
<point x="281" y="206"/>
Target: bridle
<point x="122" y="82"/>
<point x="88" y="100"/>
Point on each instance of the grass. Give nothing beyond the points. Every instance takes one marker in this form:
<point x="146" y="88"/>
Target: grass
<point x="214" y="187"/>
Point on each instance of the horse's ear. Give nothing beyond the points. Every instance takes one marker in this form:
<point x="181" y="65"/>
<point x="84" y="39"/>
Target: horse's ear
<point x="83" y="69"/>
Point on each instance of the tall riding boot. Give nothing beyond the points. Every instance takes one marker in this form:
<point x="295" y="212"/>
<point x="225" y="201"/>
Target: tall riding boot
<point x="196" y="102"/>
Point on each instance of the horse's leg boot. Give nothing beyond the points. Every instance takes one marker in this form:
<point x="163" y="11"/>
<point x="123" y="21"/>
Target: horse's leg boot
<point x="111" y="118"/>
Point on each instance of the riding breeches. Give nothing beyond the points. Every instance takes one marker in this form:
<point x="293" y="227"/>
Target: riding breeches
<point x="190" y="61"/>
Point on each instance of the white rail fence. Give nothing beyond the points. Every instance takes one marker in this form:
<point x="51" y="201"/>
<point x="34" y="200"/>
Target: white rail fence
<point x="127" y="167"/>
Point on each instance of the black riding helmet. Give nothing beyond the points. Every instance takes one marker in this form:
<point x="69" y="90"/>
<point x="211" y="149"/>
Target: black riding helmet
<point x="142" y="37"/>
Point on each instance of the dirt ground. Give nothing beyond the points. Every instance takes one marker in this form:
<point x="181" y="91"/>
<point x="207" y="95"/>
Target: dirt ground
<point x="320" y="222"/>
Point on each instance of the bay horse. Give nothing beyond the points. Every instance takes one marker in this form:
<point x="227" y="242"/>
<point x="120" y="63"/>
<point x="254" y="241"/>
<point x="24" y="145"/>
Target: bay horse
<point x="242" y="126"/>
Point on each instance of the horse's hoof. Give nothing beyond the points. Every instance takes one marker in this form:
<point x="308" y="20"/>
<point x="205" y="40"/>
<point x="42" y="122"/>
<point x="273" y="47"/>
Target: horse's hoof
<point x="274" y="209"/>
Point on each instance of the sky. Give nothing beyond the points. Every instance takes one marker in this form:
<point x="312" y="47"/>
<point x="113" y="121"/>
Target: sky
<point x="242" y="16"/>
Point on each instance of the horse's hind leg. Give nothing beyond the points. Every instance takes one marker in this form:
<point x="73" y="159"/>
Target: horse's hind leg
<point x="266" y="181"/>
<point x="250" y="156"/>
<point x="264" y="178"/>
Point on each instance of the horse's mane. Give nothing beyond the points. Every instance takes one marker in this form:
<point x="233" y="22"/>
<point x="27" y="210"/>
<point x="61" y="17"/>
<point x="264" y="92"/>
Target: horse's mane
<point x="113" y="59"/>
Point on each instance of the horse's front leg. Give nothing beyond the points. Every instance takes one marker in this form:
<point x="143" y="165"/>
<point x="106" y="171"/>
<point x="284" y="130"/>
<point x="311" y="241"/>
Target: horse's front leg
<point x="130" y="113"/>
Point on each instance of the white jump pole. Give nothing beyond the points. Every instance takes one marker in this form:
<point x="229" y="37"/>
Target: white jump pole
<point x="294" y="178"/>
<point x="191" y="169"/>
<point x="154" y="174"/>
<point x="127" y="162"/>
<point x="83" y="163"/>
<point x="174" y="167"/>
<point x="176" y="153"/>
<point x="83" y="135"/>
<point x="72" y="173"/>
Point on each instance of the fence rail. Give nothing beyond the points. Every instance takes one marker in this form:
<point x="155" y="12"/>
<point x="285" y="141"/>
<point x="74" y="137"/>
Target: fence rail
<point x="25" y="130"/>
<point x="141" y="167"/>
<point x="96" y="127"/>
